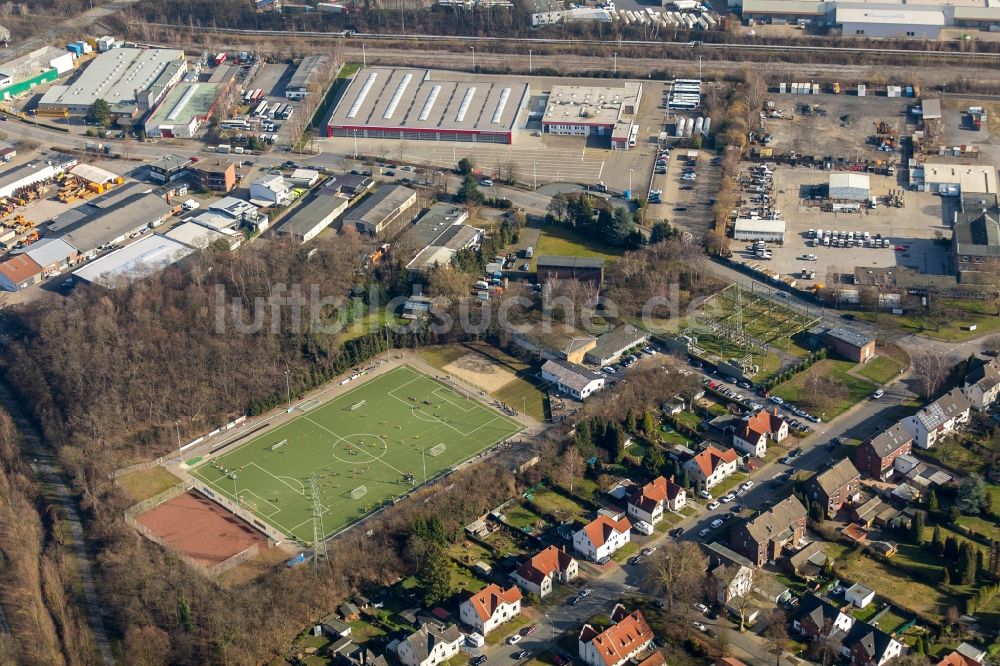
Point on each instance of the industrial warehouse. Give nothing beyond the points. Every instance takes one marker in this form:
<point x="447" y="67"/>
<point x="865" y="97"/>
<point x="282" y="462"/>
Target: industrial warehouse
<point x="118" y="76"/>
<point x="183" y="110"/>
<point x="586" y="110"/>
<point x="422" y="104"/>
<point x="885" y="19"/>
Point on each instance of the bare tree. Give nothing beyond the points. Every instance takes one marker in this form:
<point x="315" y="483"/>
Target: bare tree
<point x="676" y="573"/>
<point x="827" y="647"/>
<point x="776" y="633"/>
<point x="755" y="90"/>
<point x="931" y="369"/>
<point x="571" y="467"/>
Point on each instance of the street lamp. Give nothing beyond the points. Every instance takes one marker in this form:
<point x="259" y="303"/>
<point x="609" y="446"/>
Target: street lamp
<point x="529" y="62"/>
<point x="534" y="175"/>
<point x="288" y="390"/>
<point x="473" y="58"/>
<point x="616" y="63"/>
<point x="364" y="57"/>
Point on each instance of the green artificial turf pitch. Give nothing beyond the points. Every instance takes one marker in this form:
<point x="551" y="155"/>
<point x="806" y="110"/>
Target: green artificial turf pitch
<point x="345" y="446"/>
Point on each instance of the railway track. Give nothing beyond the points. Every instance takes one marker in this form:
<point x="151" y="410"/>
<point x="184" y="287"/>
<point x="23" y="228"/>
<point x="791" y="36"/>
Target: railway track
<point x="696" y="47"/>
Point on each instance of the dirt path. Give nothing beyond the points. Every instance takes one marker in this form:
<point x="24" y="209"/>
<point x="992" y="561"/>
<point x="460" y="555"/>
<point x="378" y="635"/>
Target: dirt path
<point x="56" y="492"/>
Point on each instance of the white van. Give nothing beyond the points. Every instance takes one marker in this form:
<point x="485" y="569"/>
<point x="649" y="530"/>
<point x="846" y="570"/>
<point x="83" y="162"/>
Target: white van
<point x="642" y="527"/>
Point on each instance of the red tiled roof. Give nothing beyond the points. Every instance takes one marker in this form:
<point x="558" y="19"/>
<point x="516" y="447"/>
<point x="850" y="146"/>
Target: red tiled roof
<point x="19" y="268"/>
<point x="488" y="599"/>
<point x="650" y="495"/>
<point x="709" y="459"/>
<point x="544" y="563"/>
<point x="618" y="641"/>
<point x="956" y="658"/>
<point x="655" y="659"/>
<point x="764" y="422"/>
<point x="599" y="529"/>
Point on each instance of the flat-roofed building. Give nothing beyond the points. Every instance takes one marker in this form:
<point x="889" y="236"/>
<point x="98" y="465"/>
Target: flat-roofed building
<point x="746" y="229"/>
<point x="387" y="207"/>
<point x="183" y="110"/>
<point x="307" y="220"/>
<point x="955" y="179"/>
<point x="975" y="240"/>
<point x="437" y="236"/>
<point x="199" y="237"/>
<point x="584" y="269"/>
<point x="307" y="75"/>
<point x="38" y="67"/>
<point x="586" y="110"/>
<point x="115" y="76"/>
<point x="133" y="262"/>
<point x="849" y="186"/>
<point x="104" y="227"/>
<point x="217" y="174"/>
<point x="423" y="104"/>
<point x="168" y="168"/>
<point x="923" y="23"/>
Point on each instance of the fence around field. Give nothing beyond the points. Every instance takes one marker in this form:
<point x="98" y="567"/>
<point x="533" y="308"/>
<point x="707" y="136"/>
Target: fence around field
<point x="142" y="507"/>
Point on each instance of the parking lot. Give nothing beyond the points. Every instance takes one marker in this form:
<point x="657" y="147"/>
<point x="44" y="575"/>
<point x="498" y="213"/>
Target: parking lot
<point x="686" y="202"/>
<point x="914" y="227"/>
<point x="272" y="78"/>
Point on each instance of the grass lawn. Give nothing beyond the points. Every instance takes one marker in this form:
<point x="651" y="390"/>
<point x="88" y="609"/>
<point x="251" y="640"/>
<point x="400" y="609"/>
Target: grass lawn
<point x="442" y="355"/>
<point x="520" y="517"/>
<point x="896" y="586"/>
<point x="523" y="393"/>
<point x="981" y="526"/>
<point x="356" y="461"/>
<point x="881" y="369"/>
<point x="147" y="482"/>
<point x="504" y="544"/>
<point x="674" y="438"/>
<point x="689" y="419"/>
<point x="818" y="401"/>
<point x="469" y="552"/>
<point x="625" y="552"/>
<point x="728" y="484"/>
<point x="496" y="636"/>
<point x="958" y="313"/>
<point x="951" y="454"/>
<point x="369" y="323"/>
<point x="890" y="621"/>
<point x="561" y="507"/>
<point x="464" y="580"/>
<point x="362" y="631"/>
<point x="560" y="241"/>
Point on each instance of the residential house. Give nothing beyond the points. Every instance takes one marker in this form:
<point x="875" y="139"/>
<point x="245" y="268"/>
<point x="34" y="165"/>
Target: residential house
<point x="429" y="645"/>
<point x="614" y="646"/>
<point x="970" y="651"/>
<point x="982" y="383"/>
<point x="536" y="576"/>
<point x="867" y="512"/>
<point x="731" y="573"/>
<point x="767" y="535"/>
<point x="217" y="174"/>
<point x="956" y="658"/>
<point x="712" y="465"/>
<point x="875" y="457"/>
<point x="869" y="646"/>
<point x="938" y="419"/>
<point x="751" y="436"/>
<point x="490" y="607"/>
<point x="808" y="562"/>
<point x="601" y="537"/>
<point x="834" y="487"/>
<point x="270" y="190"/>
<point x="817" y="618"/>
<point x="572" y="379"/>
<point x="647" y="503"/>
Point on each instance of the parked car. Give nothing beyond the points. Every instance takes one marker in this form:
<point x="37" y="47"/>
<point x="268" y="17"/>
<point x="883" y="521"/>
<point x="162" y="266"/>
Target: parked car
<point x="585" y="592"/>
<point x="514" y="639"/>
<point x="699" y="626"/>
<point x="878" y="394"/>
<point x="712" y="506"/>
<point x="795" y="453"/>
<point x="573" y="601"/>
<point x="704" y="494"/>
<point x="717" y="523"/>
<point x="776" y="400"/>
<point x="701" y="608"/>
<point x="704" y="533"/>
<point x="676" y="532"/>
<point x="520" y="654"/>
<point x="729" y="498"/>
<point x="747" y="485"/>
<point x="530" y="629"/>
<point x="477" y="661"/>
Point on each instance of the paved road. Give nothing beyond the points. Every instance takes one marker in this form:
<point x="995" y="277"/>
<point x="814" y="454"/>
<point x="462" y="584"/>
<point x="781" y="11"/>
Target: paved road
<point x="57" y="493"/>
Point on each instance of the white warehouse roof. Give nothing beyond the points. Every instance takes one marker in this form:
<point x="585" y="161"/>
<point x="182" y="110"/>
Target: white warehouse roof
<point x="767" y="226"/>
<point x="93" y="174"/>
<point x="889" y="16"/>
<point x="141" y="258"/>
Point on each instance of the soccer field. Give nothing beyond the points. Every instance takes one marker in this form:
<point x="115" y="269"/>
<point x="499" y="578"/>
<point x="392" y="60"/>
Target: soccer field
<point x="373" y="443"/>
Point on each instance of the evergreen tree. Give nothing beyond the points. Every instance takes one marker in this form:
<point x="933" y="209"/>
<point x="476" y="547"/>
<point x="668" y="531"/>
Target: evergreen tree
<point x="917" y="529"/>
<point x="951" y="549"/>
<point x="648" y="423"/>
<point x="469" y="192"/>
<point x="99" y="113"/>
<point x="630" y="422"/>
<point x="980" y="562"/>
<point x="434" y="575"/>
<point x="816" y="512"/>
<point x="937" y="544"/>
<point x="618" y="438"/>
<point x="660" y="232"/>
<point x="946" y="574"/>
<point x="683" y="480"/>
<point x="932" y="503"/>
<point x="653" y="462"/>
<point x="972" y="496"/>
<point x="966" y="564"/>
